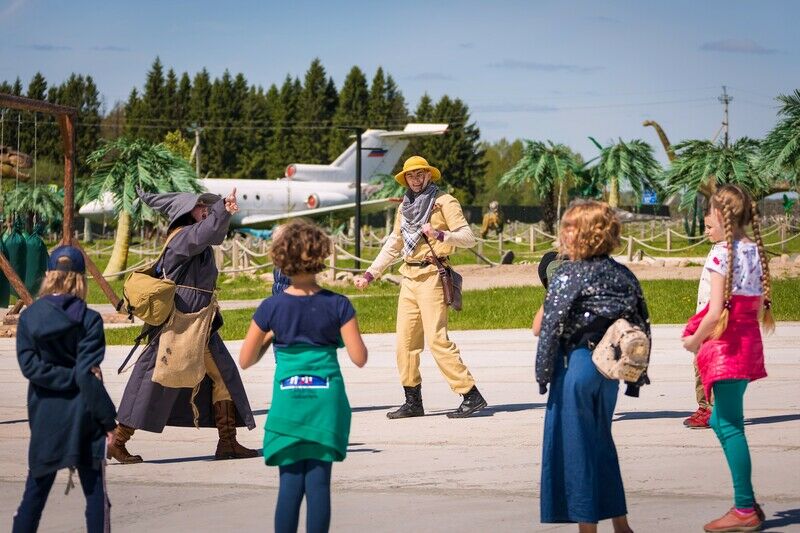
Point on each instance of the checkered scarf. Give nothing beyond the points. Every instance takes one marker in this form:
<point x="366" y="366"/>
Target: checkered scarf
<point x="416" y="209"/>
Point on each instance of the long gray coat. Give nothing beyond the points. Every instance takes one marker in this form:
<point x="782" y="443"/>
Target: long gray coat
<point x="188" y="260"/>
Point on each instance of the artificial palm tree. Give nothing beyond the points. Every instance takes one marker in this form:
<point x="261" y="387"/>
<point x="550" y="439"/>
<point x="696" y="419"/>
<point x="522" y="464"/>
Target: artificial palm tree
<point x="44" y="201"/>
<point x="781" y="147"/>
<point x="632" y="162"/>
<point x="549" y="169"/>
<point x="386" y="187"/>
<point x="122" y="166"/>
<point x="700" y="166"/>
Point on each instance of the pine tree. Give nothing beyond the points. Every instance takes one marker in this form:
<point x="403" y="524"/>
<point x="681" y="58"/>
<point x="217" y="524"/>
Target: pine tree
<point x="183" y="101"/>
<point x="253" y="162"/>
<point x="171" y="117"/>
<point x="378" y="107"/>
<point x="214" y="142"/>
<point x="154" y="105"/>
<point x="396" y="105"/>
<point x="351" y="111"/>
<point x="315" y="115"/>
<point x="284" y="144"/>
<point x="200" y="98"/>
<point x="133" y="115"/>
<point x="272" y="102"/>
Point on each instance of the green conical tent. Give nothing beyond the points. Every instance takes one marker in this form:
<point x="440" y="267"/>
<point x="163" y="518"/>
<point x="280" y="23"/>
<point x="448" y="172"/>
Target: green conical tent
<point x="35" y="259"/>
<point x="14" y="250"/>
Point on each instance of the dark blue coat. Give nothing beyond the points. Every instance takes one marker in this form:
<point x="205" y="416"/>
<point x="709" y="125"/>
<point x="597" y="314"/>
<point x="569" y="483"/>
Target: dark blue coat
<point x="59" y="340"/>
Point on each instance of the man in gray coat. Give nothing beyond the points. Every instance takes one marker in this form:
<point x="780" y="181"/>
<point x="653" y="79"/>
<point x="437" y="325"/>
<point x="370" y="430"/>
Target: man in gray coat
<point x="221" y="400"/>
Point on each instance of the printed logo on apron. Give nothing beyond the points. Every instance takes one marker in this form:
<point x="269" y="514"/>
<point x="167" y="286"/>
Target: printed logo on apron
<point x="304" y="382"/>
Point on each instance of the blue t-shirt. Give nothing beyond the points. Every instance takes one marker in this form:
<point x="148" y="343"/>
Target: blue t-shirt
<point x="313" y="320"/>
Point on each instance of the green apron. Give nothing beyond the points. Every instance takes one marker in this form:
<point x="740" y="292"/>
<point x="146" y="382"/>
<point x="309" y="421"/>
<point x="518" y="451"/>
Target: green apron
<point x="309" y="417"/>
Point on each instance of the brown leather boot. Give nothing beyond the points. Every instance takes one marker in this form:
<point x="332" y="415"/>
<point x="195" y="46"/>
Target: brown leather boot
<point x="227" y="447"/>
<point x="117" y="448"/>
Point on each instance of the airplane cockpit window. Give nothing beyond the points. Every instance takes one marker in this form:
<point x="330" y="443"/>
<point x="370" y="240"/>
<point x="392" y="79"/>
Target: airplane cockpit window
<point x="258" y="197"/>
<point x="244" y="197"/>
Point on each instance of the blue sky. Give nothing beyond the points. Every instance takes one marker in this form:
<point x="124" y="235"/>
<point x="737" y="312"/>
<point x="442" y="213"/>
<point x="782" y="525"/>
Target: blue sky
<point x="560" y="70"/>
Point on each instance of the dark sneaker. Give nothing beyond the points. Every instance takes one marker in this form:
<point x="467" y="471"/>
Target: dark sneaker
<point x="473" y="402"/>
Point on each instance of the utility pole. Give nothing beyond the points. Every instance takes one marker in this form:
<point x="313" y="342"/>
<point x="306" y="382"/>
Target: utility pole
<point x="196" y="148"/>
<point x="725" y="99"/>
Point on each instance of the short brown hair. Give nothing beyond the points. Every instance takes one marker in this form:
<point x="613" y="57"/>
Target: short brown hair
<point x="593" y="230"/>
<point x="301" y="247"/>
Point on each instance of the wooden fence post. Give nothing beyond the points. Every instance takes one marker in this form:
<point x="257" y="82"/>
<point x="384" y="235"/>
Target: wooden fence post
<point x="532" y="238"/>
<point x="332" y="260"/>
<point x="630" y="248"/>
<point x="783" y="237"/>
<point x="669" y="239"/>
<point x="480" y="250"/>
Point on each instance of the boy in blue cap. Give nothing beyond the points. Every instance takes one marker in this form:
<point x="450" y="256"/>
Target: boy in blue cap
<point x="60" y="345"/>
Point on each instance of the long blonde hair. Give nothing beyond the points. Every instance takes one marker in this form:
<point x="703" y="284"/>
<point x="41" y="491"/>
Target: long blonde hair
<point x="62" y="282"/>
<point x="738" y="210"/>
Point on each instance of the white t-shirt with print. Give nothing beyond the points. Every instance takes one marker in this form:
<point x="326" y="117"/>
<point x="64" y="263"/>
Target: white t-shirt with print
<point x="746" y="267"/>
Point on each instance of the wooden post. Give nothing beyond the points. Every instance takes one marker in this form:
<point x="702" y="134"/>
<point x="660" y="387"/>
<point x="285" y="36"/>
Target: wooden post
<point x="98" y="276"/>
<point x="669" y="239"/>
<point x="67" y="125"/>
<point x="332" y="260"/>
<point x="532" y="238"/>
<point x="234" y="257"/>
<point x="500" y="243"/>
<point x="480" y="250"/>
<point x="783" y="237"/>
<point x="630" y="248"/>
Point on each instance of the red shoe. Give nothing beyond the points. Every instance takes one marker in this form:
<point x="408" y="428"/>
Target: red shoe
<point x="701" y="420"/>
<point x="700" y="410"/>
<point x="734" y="521"/>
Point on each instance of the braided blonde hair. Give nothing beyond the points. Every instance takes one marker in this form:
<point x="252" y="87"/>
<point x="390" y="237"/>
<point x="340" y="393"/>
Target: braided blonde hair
<point x="738" y="210"/>
<point x="767" y="320"/>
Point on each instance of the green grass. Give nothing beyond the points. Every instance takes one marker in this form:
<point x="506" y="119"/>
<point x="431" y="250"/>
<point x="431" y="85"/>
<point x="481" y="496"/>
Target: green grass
<point x="669" y="301"/>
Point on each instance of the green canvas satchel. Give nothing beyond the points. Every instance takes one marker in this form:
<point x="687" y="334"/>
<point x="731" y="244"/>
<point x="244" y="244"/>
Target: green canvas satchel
<point x="148" y="297"/>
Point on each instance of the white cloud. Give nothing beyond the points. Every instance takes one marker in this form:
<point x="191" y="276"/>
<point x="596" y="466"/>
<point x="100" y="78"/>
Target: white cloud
<point x="516" y="64"/>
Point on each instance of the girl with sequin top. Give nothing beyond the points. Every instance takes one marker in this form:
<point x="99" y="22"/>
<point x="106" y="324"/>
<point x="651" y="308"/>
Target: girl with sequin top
<point x="725" y="336"/>
<point x="581" y="481"/>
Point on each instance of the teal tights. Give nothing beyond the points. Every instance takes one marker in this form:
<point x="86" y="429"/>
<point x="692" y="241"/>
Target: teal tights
<point x="727" y="420"/>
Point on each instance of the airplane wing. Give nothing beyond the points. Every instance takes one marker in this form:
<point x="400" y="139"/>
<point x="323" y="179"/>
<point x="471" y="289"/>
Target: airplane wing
<point x="265" y="221"/>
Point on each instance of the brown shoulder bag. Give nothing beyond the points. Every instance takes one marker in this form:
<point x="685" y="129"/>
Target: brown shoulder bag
<point x="451" y="280"/>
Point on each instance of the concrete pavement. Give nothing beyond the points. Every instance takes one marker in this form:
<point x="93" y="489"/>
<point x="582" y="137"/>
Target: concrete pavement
<point x="437" y="474"/>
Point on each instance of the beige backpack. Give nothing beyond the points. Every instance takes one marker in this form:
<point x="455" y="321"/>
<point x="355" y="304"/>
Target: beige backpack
<point x="623" y="352"/>
<point x="148" y="297"/>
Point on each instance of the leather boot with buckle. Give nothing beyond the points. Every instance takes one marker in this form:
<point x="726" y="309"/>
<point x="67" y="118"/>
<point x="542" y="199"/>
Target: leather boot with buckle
<point x="473" y="401"/>
<point x="117" y="450"/>
<point x="413" y="405"/>
<point x="228" y="447"/>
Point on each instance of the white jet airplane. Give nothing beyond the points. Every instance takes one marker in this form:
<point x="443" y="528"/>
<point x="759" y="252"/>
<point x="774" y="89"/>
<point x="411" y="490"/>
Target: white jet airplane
<point x="305" y="190"/>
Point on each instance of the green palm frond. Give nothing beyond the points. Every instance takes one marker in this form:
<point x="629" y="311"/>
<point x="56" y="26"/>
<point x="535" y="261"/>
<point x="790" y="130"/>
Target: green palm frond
<point x="632" y="162"/>
<point x="543" y="166"/>
<point x="781" y="147"/>
<point x="389" y="188"/>
<point x="45" y="201"/>
<point x="700" y="165"/>
<point x="122" y="166"/>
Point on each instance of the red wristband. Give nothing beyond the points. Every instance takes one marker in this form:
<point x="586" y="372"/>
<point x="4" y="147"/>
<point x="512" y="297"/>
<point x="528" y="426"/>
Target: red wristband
<point x="369" y="277"/>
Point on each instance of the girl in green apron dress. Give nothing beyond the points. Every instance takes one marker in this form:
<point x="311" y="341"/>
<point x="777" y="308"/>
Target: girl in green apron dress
<point x="309" y="418"/>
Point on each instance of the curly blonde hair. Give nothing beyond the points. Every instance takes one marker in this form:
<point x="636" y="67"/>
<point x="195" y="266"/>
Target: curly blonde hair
<point x="588" y="228"/>
<point x="300" y="247"/>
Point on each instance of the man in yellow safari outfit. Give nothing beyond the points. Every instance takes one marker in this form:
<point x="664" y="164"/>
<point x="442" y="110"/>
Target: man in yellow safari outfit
<point x="421" y="310"/>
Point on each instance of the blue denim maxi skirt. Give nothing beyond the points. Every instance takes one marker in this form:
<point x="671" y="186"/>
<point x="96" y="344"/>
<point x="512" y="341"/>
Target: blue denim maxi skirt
<point x="581" y="481"/>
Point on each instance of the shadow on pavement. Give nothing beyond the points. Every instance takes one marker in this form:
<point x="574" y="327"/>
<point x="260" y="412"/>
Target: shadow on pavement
<point x="647" y="415"/>
<point x="176" y="460"/>
<point x="771" y="419"/>
<point x="20" y="421"/>
<point x="492" y="409"/>
<point x="783" y="518"/>
<point x="259" y="412"/>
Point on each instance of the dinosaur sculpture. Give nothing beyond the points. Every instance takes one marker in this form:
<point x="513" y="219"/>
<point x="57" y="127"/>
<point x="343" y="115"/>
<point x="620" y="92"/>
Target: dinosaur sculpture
<point x="11" y="161"/>
<point x="663" y="137"/>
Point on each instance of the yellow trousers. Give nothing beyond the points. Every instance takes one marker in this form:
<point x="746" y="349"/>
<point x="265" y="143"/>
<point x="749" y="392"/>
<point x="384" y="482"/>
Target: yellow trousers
<point x="422" y="314"/>
<point x="219" y="391"/>
<point x="699" y="391"/>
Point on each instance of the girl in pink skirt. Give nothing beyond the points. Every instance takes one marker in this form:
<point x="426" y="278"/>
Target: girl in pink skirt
<point x="725" y="335"/>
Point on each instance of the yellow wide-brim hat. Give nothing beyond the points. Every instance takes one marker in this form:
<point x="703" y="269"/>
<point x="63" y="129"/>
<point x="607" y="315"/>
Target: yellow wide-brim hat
<point x="416" y="162"/>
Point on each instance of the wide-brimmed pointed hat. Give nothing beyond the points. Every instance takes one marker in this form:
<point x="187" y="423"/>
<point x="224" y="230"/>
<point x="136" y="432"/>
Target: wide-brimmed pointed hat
<point x="174" y="205"/>
<point x="416" y="162"/>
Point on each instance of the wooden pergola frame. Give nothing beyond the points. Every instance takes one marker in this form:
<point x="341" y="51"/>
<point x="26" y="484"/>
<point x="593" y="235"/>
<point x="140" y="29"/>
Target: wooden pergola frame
<point x="66" y="117"/>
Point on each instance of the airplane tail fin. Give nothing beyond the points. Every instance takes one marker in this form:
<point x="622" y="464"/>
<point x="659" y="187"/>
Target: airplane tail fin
<point x="380" y="151"/>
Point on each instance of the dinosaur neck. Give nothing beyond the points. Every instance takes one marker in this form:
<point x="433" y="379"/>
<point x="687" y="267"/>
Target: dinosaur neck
<point x="664" y="140"/>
